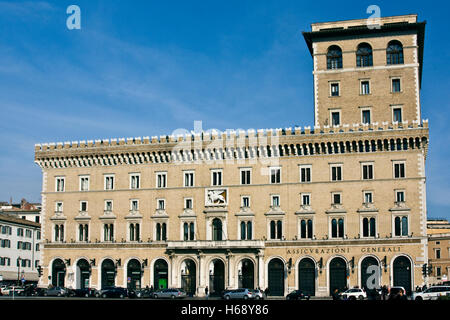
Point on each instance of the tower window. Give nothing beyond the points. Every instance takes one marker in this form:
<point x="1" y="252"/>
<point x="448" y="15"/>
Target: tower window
<point x="364" y="55"/>
<point x="334" y="58"/>
<point x="394" y="53"/>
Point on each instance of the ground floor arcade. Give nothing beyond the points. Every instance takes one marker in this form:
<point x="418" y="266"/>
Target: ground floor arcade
<point x="281" y="267"/>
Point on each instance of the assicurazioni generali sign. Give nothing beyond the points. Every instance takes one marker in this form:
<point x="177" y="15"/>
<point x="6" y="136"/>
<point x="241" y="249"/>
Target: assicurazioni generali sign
<point x="343" y="250"/>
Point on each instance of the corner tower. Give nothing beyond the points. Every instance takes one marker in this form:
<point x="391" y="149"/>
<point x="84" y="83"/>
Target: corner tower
<point x="366" y="73"/>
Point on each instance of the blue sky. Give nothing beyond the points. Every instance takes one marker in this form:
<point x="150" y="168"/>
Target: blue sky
<point x="144" y="68"/>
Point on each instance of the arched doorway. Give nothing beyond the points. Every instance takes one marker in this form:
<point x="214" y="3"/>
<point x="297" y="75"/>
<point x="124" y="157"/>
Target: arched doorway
<point x="307" y="276"/>
<point x="402" y="273"/>
<point x="160" y="274"/>
<point x="367" y="278"/>
<point x="189" y="277"/>
<point x="217" y="229"/>
<point x="247" y="274"/>
<point x="58" y="273"/>
<point x="338" y="275"/>
<point x="134" y="274"/>
<point x="84" y="274"/>
<point x="108" y="273"/>
<point x="216" y="277"/>
<point x="276" y="277"/>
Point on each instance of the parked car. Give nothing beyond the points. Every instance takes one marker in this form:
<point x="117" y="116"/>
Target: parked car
<point x="432" y="293"/>
<point x="397" y="293"/>
<point x="169" y="293"/>
<point x="353" y="294"/>
<point x="238" y="294"/>
<point x="297" y="295"/>
<point x="258" y="294"/>
<point x="13" y="290"/>
<point x="112" y="292"/>
<point x="86" y="292"/>
<point x="56" y="292"/>
<point x="144" y="293"/>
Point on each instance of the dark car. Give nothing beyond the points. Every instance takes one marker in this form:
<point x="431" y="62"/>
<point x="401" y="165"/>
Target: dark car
<point x="297" y="295"/>
<point x="397" y="293"/>
<point x="86" y="292"/>
<point x="112" y="292"/>
<point x="144" y="293"/>
<point x="56" y="292"/>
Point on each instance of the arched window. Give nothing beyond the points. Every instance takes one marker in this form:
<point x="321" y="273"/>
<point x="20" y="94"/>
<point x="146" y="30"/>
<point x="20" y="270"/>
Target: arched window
<point x="158" y="232"/>
<point x="364" y="55"/>
<point x="337" y="228"/>
<point x="191" y="231"/>
<point x="334" y="58"/>
<point x="186" y="231"/>
<point x="164" y="232"/>
<point x="249" y="230"/>
<point x="341" y="228"/>
<point x="394" y="52"/>
<point x="132" y="232"/>
<point x="272" y="230"/>
<point x="279" y="229"/>
<point x="372" y="227"/>
<point x="217" y="229"/>
<point x="243" y="229"/>
<point x="404" y="226"/>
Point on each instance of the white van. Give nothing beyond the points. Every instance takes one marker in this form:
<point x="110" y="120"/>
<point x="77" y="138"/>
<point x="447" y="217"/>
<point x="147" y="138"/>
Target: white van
<point x="432" y="293"/>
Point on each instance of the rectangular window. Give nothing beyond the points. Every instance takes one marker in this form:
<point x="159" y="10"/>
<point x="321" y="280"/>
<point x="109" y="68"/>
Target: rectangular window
<point x="399" y="170"/>
<point x="365" y="87"/>
<point x="109" y="182"/>
<point x="188" y="203"/>
<point x="365" y="116"/>
<point x="246" y="201"/>
<point x="216" y="177"/>
<point x="59" y="207"/>
<point x="60" y="181"/>
<point x="134" y="205"/>
<point x="367" y="171"/>
<point x="306" y="199"/>
<point x="368" y="197"/>
<point x="305" y="173"/>
<point x="108" y="205"/>
<point x="334" y="89"/>
<point x="438" y="253"/>
<point x="335" y="118"/>
<point x="275" y="175"/>
<point x="246" y="176"/>
<point x="161" y="180"/>
<point x="84" y="183"/>
<point x="397" y="115"/>
<point x="336" y="198"/>
<point x="83" y="206"/>
<point x="276" y="201"/>
<point x="336" y="173"/>
<point x="399" y="196"/>
<point x="135" y="181"/>
<point x="189" y="179"/>
<point x="161" y="204"/>
<point x="396" y="85"/>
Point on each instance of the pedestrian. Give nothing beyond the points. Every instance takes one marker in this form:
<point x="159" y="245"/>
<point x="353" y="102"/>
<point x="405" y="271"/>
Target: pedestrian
<point x="266" y="292"/>
<point x="335" y="294"/>
<point x="206" y="292"/>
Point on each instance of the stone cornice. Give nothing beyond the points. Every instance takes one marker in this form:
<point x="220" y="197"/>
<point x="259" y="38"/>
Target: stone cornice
<point x="269" y="143"/>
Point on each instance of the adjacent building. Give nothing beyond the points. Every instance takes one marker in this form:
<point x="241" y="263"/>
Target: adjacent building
<point x="19" y="250"/>
<point x="335" y="205"/>
<point x="438" y="250"/>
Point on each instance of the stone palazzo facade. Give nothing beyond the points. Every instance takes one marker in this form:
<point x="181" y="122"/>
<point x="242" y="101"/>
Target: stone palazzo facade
<point x="339" y="204"/>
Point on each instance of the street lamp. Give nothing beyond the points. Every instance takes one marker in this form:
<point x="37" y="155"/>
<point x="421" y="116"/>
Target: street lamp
<point x="19" y="259"/>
